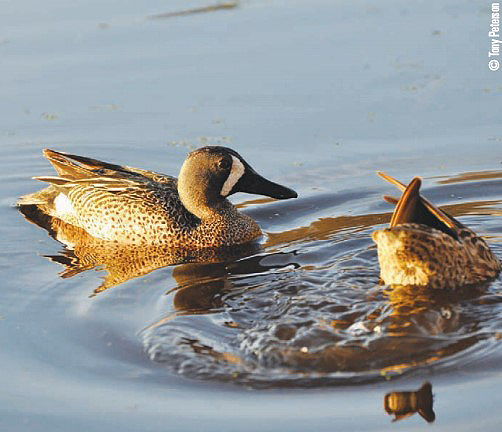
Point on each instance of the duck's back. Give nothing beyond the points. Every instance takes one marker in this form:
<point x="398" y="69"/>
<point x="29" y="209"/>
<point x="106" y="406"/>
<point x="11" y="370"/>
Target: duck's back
<point x="424" y="245"/>
<point x="133" y="213"/>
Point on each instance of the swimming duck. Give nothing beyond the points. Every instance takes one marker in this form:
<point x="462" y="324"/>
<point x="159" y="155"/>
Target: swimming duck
<point x="426" y="246"/>
<point x="133" y="206"/>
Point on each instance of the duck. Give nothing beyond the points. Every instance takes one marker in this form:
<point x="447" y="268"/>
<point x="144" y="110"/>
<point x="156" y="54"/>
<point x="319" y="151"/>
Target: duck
<point x="425" y="246"/>
<point x="133" y="206"/>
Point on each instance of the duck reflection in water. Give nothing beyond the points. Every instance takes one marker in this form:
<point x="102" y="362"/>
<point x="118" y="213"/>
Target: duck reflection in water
<point x="402" y="404"/>
<point x="201" y="275"/>
<point x="123" y="262"/>
<point x="201" y="286"/>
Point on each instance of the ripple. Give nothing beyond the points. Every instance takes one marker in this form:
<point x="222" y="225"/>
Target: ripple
<point x="303" y="309"/>
<point x="320" y="318"/>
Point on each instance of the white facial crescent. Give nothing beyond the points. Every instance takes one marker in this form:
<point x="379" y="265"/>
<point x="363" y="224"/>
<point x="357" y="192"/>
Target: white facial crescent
<point x="236" y="173"/>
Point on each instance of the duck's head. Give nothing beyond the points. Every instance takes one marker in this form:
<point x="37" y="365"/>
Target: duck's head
<point x="210" y="174"/>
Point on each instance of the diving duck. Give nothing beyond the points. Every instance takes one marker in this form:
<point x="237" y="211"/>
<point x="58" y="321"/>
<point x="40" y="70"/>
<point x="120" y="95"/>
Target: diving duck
<point x="425" y="246"/>
<point x="132" y="206"/>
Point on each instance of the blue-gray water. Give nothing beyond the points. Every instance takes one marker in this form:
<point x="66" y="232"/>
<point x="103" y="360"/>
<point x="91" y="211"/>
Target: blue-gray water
<point x="316" y="95"/>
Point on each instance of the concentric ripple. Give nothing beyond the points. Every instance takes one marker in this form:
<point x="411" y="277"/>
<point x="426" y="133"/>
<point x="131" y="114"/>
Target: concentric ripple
<point x="312" y="313"/>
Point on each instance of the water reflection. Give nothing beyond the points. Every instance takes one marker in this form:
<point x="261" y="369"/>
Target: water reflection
<point x="324" y="228"/>
<point x="402" y="404"/>
<point x="274" y="327"/>
<point x="471" y="176"/>
<point x="123" y="262"/>
<point x="201" y="286"/>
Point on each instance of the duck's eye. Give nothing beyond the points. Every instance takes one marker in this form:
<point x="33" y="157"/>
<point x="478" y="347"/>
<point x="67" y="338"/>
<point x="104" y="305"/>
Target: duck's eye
<point x="224" y="164"/>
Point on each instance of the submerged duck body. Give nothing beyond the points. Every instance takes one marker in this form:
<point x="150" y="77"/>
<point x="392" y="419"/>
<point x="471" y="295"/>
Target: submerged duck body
<point x="133" y="206"/>
<point x="425" y="246"/>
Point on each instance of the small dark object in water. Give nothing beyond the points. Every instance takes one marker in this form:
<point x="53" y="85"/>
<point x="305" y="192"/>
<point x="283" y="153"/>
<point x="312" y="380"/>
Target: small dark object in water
<point x="405" y="403"/>
<point x="219" y="6"/>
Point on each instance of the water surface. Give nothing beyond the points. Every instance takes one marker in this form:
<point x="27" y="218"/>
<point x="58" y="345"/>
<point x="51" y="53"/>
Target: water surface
<point x="299" y="333"/>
